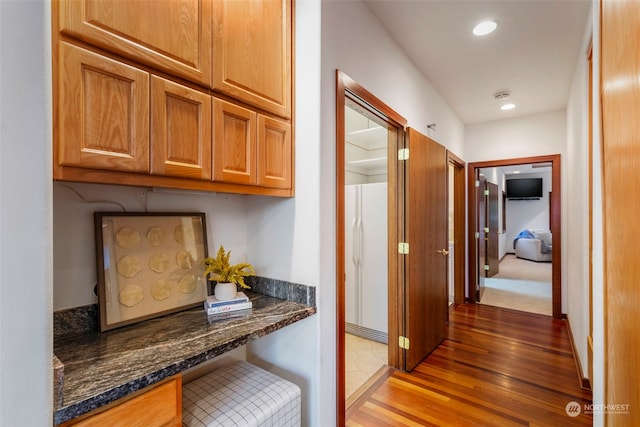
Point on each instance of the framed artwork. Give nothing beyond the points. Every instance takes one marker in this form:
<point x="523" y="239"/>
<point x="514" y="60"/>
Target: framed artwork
<point x="149" y="264"/>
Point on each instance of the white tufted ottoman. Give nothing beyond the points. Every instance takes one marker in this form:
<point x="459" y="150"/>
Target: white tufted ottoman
<point x="240" y="394"/>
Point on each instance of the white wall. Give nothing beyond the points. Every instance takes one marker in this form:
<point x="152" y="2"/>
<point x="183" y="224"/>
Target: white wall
<point x="597" y="383"/>
<point x="354" y="42"/>
<point x="519" y="214"/>
<point x="528" y="214"/>
<point x="26" y="392"/>
<point x="528" y="136"/>
<point x="577" y="206"/>
<point x="577" y="274"/>
<point x="74" y="274"/>
<point x="284" y="237"/>
<point x="534" y="135"/>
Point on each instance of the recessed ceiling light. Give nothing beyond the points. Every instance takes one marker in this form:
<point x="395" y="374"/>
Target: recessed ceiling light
<point x="506" y="107"/>
<point x="484" y="28"/>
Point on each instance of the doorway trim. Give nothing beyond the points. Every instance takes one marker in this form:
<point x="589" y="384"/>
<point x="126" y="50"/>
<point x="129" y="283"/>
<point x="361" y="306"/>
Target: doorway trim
<point x="555" y="225"/>
<point x="348" y="90"/>
<point x="458" y="225"/>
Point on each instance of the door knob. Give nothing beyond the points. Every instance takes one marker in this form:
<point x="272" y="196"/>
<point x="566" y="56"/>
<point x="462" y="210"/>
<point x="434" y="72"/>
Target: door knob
<point x="443" y="252"/>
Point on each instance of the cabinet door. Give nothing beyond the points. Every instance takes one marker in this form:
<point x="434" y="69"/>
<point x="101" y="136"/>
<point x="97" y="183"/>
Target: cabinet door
<point x="274" y="153"/>
<point x="180" y="130"/>
<point x="160" y="406"/>
<point x="103" y="112"/>
<point x="234" y="158"/>
<point x="171" y="35"/>
<point x="252" y="51"/>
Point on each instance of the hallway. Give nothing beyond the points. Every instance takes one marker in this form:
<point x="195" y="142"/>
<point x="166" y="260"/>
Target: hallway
<point x="496" y="367"/>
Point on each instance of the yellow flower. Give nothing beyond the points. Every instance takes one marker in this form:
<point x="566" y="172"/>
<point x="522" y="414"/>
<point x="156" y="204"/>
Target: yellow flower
<point x="221" y="271"/>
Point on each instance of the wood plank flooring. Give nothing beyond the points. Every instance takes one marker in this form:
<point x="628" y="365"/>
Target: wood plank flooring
<point x="496" y="367"/>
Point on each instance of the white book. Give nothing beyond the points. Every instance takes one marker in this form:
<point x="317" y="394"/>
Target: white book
<point x="229" y="315"/>
<point x="228" y="307"/>
<point x="213" y="302"/>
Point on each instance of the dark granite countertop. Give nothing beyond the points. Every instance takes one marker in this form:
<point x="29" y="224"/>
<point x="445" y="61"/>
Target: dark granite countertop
<point x="100" y="368"/>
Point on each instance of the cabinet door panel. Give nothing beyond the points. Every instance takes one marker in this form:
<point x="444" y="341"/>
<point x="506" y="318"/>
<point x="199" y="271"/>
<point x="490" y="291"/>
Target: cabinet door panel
<point x="234" y="159"/>
<point x="160" y="406"/>
<point x="103" y="112"/>
<point x="180" y="130"/>
<point x="274" y="153"/>
<point x="172" y="35"/>
<point x="254" y="65"/>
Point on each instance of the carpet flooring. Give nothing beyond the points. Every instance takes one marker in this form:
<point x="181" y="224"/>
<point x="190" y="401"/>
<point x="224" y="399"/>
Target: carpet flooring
<point x="520" y="285"/>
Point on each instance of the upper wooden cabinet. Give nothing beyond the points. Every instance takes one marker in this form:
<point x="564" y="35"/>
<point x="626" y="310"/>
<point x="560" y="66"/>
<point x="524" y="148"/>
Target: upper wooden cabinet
<point x="190" y="94"/>
<point x="171" y="35"/>
<point x="234" y="143"/>
<point x="252" y="45"/>
<point x="103" y="112"/>
<point x="275" y="152"/>
<point x="250" y="148"/>
<point x="180" y="130"/>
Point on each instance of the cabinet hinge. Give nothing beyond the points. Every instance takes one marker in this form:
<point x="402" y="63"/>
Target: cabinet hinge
<point x="403" y="154"/>
<point x="486" y="229"/>
<point x="477" y="183"/>
<point x="486" y="267"/>
<point x="403" y="342"/>
<point x="403" y="248"/>
<point x="486" y="192"/>
<point x="477" y="235"/>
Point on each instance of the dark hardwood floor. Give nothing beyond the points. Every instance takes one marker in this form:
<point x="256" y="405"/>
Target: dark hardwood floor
<point x="496" y="367"/>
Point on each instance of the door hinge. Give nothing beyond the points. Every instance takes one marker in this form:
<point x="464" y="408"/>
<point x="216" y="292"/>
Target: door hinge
<point x="403" y="154"/>
<point x="486" y="267"/>
<point x="477" y="183"/>
<point x="403" y="248"/>
<point x="486" y="229"/>
<point x="486" y="192"/>
<point x="403" y="342"/>
<point x="477" y="235"/>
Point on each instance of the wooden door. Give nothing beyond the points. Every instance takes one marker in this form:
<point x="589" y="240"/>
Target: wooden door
<point x="234" y="143"/>
<point x="180" y="130"/>
<point x="274" y="153"/>
<point x="426" y="233"/>
<point x="254" y="64"/>
<point x="620" y="90"/>
<point x="171" y="35"/>
<point x="103" y="112"/>
<point x="492" y="224"/>
<point x="482" y="235"/>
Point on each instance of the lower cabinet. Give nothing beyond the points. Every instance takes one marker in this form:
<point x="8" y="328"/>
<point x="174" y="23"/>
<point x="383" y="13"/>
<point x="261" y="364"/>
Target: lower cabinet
<point x="157" y="406"/>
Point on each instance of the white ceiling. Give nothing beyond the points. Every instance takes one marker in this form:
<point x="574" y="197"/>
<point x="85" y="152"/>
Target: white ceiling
<point x="533" y="53"/>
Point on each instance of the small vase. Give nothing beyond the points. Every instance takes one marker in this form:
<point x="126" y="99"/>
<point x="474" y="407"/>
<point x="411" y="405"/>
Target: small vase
<point x="225" y="291"/>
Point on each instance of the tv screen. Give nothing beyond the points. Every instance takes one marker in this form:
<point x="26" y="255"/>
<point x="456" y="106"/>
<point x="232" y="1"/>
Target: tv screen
<point x="524" y="188"/>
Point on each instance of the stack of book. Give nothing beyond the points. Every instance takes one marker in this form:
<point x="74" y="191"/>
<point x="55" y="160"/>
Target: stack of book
<point x="236" y="307"/>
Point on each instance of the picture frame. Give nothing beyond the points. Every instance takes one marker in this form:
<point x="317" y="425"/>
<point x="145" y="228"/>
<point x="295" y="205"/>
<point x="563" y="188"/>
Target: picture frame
<point x="149" y="264"/>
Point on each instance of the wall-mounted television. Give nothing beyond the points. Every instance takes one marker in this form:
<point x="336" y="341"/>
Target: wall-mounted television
<point x="524" y="189"/>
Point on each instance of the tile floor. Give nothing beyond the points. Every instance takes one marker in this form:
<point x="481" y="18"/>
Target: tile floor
<point x="363" y="358"/>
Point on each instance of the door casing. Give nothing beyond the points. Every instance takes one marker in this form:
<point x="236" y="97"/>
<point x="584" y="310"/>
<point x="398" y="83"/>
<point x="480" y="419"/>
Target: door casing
<point x="349" y="91"/>
<point x="555" y="214"/>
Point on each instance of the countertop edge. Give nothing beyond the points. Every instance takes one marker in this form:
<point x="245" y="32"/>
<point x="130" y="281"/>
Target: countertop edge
<point x="66" y="413"/>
